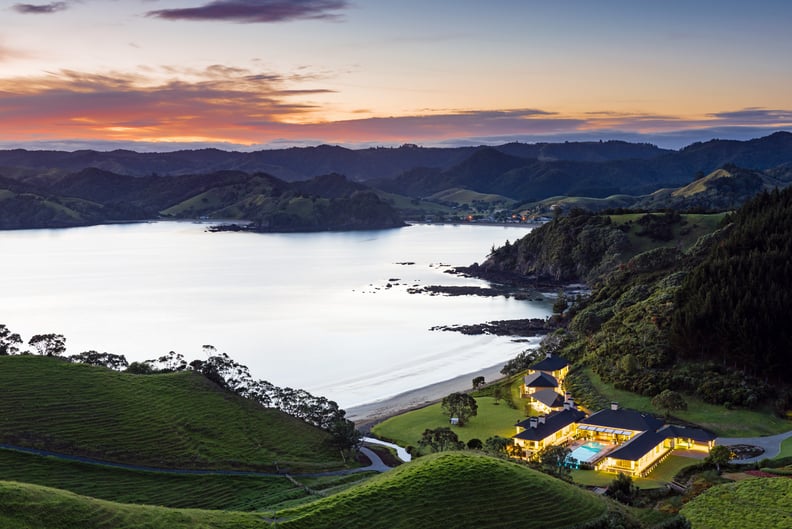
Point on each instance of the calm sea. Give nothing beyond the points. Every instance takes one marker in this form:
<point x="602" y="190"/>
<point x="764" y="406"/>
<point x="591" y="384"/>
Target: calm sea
<point x="303" y="310"/>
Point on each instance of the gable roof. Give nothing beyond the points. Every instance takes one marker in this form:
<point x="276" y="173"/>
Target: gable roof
<point x="641" y="444"/>
<point x="540" y="380"/>
<point x="549" y="398"/>
<point x="624" y="419"/>
<point x="696" y="434"/>
<point x="550" y="363"/>
<point x="553" y="422"/>
<point x="638" y="446"/>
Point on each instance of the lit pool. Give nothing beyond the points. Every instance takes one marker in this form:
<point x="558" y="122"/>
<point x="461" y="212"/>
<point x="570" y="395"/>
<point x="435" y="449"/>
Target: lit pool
<point x="586" y="452"/>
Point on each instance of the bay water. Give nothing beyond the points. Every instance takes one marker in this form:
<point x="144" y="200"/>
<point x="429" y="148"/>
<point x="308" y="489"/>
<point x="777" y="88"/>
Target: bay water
<point x="326" y="312"/>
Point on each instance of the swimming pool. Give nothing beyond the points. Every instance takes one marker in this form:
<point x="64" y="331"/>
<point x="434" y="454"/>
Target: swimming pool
<point x="586" y="452"/>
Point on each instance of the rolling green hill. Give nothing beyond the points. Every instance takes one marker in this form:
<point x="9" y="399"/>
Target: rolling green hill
<point x="752" y="503"/>
<point x="179" y="420"/>
<point x="453" y="489"/>
<point x="24" y="506"/>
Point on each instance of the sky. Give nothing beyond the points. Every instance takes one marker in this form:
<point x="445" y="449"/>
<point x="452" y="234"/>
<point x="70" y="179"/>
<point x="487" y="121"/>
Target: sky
<point x="249" y="74"/>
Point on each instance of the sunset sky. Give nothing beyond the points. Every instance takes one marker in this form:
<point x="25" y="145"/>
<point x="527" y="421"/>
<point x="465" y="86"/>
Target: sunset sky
<point x="168" y="74"/>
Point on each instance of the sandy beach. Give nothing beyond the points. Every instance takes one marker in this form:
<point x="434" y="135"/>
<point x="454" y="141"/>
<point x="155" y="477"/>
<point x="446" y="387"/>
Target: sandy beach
<point x="366" y="415"/>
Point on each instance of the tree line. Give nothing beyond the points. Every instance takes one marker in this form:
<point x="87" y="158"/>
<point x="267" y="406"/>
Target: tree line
<point x="218" y="367"/>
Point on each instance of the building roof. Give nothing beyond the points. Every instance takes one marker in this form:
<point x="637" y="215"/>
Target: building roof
<point x="638" y="446"/>
<point x="540" y="380"/>
<point x="549" y="398"/>
<point x="553" y="422"/>
<point x="550" y="363"/>
<point x="624" y="419"/>
<point x="641" y="444"/>
<point x="696" y="434"/>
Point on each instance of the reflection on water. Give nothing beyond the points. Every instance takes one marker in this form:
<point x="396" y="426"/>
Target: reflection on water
<point x="328" y="312"/>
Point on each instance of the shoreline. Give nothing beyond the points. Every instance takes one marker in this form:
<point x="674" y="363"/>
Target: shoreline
<point x="367" y="415"/>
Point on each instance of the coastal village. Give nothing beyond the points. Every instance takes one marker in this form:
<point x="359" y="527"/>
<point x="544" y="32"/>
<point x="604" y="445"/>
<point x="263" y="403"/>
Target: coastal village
<point x="611" y="440"/>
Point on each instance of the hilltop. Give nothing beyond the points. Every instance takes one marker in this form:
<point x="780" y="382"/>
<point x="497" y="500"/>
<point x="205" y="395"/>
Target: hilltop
<point x="333" y="188"/>
<point x="176" y="420"/>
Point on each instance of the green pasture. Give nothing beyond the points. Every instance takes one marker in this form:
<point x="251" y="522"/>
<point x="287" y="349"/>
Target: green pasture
<point x="179" y="420"/>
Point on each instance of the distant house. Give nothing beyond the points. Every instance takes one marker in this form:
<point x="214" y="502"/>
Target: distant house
<point x="555" y="366"/>
<point x="546" y="400"/>
<point x="537" y="381"/>
<point x="536" y="433"/>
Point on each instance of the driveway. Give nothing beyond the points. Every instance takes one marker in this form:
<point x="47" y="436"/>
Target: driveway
<point x="770" y="443"/>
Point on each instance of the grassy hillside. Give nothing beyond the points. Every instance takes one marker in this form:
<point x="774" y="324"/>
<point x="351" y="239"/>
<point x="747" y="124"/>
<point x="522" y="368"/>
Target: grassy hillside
<point x="452" y="489"/>
<point x="171" y="420"/>
<point x="752" y="503"/>
<point x="219" y="492"/>
<point x="25" y="506"/>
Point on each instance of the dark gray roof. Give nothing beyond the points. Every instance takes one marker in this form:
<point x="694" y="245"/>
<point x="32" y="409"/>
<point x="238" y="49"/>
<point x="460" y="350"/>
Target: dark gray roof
<point x="540" y="380"/>
<point x="697" y="434"/>
<point x="550" y="363"/>
<point x="638" y="446"/>
<point x="553" y="422"/>
<point x="549" y="398"/>
<point x="641" y="444"/>
<point x="624" y="419"/>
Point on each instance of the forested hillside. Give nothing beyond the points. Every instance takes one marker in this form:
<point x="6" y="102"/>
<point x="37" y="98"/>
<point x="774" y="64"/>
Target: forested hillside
<point x="692" y="303"/>
<point x="734" y="307"/>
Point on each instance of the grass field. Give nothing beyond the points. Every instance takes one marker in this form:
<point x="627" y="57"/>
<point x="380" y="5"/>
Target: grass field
<point x="661" y="475"/>
<point x="24" y="506"/>
<point x="452" y="489"/>
<point x="492" y="419"/>
<point x="786" y="448"/>
<point x="695" y="226"/>
<point x="179" y="420"/>
<point x="722" y="421"/>
<point x="238" y="493"/>
<point x="762" y="502"/>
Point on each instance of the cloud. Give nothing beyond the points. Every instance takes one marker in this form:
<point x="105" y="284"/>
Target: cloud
<point x="256" y="11"/>
<point x="754" y="116"/>
<point x="40" y="9"/>
<point x="226" y="105"/>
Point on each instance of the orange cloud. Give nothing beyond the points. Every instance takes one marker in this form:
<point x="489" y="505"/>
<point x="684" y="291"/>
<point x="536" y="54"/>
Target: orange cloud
<point x="244" y="107"/>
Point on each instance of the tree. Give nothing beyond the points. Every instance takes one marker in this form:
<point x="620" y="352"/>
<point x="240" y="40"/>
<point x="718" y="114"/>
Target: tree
<point x="497" y="445"/>
<point x="108" y="360"/>
<point x="460" y="405"/>
<point x="478" y="382"/>
<point x="475" y="444"/>
<point x="48" y="344"/>
<point x="622" y="489"/>
<point x="561" y="303"/>
<point x="719" y="455"/>
<point x="440" y="440"/>
<point x="9" y="341"/>
<point x="669" y="400"/>
<point x="345" y="436"/>
<point x="555" y="460"/>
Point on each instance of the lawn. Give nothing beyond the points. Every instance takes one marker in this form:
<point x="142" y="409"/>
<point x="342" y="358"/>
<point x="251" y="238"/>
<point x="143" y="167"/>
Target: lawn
<point x="786" y="448"/>
<point x="664" y="473"/>
<point x="722" y="421"/>
<point x="492" y="419"/>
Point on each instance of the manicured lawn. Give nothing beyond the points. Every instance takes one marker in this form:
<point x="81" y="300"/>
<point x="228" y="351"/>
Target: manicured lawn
<point x="492" y="419"/>
<point x="786" y="448"/>
<point x="594" y="478"/>
<point x="666" y="471"/>
<point x="722" y="421"/>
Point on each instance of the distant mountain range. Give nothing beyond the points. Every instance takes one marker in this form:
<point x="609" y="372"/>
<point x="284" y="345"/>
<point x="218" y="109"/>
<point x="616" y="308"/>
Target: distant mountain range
<point x="56" y="188"/>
